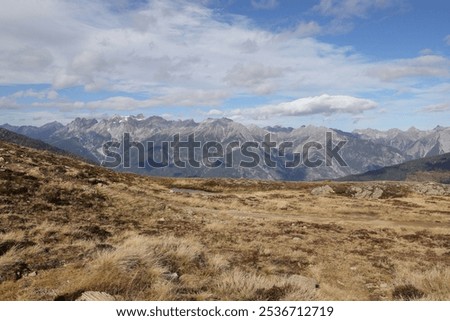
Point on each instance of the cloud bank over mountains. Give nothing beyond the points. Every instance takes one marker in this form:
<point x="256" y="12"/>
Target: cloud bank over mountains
<point x="191" y="55"/>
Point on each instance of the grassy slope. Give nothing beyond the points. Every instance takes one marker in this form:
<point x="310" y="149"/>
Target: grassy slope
<point x="69" y="227"/>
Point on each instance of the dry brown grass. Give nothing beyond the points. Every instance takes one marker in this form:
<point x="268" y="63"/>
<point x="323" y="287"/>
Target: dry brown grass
<point x="68" y="227"/>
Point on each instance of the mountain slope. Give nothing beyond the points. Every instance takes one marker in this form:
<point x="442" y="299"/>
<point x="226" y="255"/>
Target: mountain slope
<point x="436" y="168"/>
<point x="22" y="140"/>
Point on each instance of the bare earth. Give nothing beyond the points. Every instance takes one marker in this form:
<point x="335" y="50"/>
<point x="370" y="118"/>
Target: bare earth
<point x="68" y="228"/>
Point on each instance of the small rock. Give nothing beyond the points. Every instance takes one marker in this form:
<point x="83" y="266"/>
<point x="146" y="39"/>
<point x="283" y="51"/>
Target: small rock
<point x="322" y="190"/>
<point x="161" y="220"/>
<point x="306" y="281"/>
<point x="2" y="160"/>
<point x="377" y="193"/>
<point x="171" y="276"/>
<point x="95" y="296"/>
<point x="32" y="274"/>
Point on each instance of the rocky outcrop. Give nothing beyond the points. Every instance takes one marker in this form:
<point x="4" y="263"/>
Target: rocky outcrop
<point x="432" y="189"/>
<point x="322" y="191"/>
<point x="372" y="192"/>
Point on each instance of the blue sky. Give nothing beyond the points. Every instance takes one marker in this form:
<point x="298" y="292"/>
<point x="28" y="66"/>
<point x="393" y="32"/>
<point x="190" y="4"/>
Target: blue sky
<point x="344" y="64"/>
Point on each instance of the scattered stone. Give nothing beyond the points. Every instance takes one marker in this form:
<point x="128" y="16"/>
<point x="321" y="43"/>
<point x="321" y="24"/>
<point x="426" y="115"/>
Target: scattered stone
<point x="431" y="189"/>
<point x="377" y="193"/>
<point x="171" y="276"/>
<point x="322" y="191"/>
<point x="95" y="296"/>
<point x="309" y="283"/>
<point x="372" y="192"/>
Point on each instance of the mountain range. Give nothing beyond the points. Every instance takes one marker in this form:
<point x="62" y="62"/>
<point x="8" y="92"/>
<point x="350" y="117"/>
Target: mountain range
<point x="364" y="150"/>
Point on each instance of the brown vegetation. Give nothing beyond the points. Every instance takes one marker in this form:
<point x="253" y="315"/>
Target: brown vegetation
<point x="68" y="227"/>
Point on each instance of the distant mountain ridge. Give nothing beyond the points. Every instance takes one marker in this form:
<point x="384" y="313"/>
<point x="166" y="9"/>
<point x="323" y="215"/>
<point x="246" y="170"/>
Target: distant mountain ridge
<point x="413" y="142"/>
<point x="365" y="150"/>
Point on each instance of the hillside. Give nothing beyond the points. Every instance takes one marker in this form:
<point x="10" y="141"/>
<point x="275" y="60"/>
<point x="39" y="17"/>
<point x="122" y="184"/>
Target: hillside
<point x="22" y="140"/>
<point x="8" y="136"/>
<point x="436" y="168"/>
<point x="69" y="227"/>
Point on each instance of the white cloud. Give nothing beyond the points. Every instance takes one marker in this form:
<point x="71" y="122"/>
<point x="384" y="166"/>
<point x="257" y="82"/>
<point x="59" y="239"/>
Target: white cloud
<point x="344" y="9"/>
<point x="163" y="46"/>
<point x="437" y="108"/>
<point x="426" y="52"/>
<point x="8" y="103"/>
<point x="253" y="75"/>
<point x="423" y="66"/>
<point x="323" y="104"/>
<point x="38" y="94"/>
<point x="123" y="103"/>
<point x="264" y="4"/>
<point x="181" y="53"/>
<point x="308" y="29"/>
<point x="447" y="40"/>
<point x="214" y="112"/>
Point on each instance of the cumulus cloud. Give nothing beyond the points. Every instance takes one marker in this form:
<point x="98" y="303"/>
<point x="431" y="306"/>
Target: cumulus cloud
<point x="182" y="53"/>
<point x="163" y="46"/>
<point x="255" y="76"/>
<point x="8" y="103"/>
<point x="423" y="66"/>
<point x="308" y="29"/>
<point x="323" y="104"/>
<point x="437" y="108"/>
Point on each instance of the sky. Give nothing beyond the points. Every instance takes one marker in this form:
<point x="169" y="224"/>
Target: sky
<point x="344" y="64"/>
